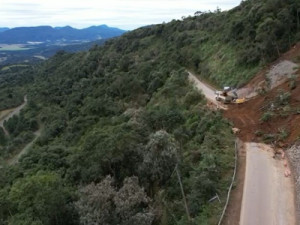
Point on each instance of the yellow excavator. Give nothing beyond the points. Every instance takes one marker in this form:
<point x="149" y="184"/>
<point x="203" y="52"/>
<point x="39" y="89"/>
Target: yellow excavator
<point x="228" y="95"/>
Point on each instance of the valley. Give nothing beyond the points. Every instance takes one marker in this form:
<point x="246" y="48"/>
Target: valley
<point x="42" y="42"/>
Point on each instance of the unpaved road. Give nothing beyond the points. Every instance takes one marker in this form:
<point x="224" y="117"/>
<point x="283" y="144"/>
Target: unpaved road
<point x="13" y="112"/>
<point x="207" y="91"/>
<point x="268" y="197"/>
<point x="16" y="158"/>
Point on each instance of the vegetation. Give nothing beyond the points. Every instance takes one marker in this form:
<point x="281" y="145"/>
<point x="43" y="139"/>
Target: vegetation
<point x="123" y="134"/>
<point x="122" y="126"/>
<point x="266" y="116"/>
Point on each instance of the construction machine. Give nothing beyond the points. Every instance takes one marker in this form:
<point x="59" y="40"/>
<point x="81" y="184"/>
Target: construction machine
<point x="228" y="95"/>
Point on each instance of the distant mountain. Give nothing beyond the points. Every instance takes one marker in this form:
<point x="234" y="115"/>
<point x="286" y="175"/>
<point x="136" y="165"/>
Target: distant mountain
<point x="58" y="34"/>
<point x="3" y="29"/>
<point x="36" y="53"/>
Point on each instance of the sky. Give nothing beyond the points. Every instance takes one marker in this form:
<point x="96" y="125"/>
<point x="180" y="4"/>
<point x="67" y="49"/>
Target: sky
<point x="124" y="14"/>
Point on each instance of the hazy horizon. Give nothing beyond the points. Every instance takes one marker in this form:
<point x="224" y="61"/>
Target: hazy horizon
<point x="123" y="14"/>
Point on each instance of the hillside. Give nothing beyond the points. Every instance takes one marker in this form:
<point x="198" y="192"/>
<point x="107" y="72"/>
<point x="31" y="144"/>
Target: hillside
<point x="121" y="126"/>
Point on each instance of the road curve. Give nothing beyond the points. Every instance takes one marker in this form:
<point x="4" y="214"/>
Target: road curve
<point x="207" y="91"/>
<point x="268" y="197"/>
<point x="14" y="111"/>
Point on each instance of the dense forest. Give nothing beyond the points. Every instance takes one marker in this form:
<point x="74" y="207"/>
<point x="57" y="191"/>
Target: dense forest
<point x="121" y="126"/>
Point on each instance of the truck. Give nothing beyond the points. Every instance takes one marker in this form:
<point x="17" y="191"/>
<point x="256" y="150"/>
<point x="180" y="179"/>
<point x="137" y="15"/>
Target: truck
<point x="227" y="95"/>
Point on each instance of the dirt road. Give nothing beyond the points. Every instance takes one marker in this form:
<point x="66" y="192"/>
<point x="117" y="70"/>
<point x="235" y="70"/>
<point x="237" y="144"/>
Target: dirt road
<point x="16" y="158"/>
<point x="207" y="91"/>
<point x="8" y="114"/>
<point x="268" y="197"/>
<point x="11" y="113"/>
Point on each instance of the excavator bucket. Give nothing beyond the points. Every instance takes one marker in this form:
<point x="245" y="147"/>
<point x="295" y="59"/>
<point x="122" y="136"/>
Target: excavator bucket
<point x="240" y="100"/>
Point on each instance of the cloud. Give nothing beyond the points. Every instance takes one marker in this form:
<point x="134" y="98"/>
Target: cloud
<point x="126" y="14"/>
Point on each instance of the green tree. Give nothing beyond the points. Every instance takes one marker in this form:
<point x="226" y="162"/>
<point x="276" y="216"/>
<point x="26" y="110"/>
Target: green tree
<point x="42" y="197"/>
<point x="160" y="158"/>
<point x="103" y="203"/>
<point x="3" y="139"/>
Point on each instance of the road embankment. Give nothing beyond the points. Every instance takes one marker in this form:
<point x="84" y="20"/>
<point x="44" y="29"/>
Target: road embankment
<point x="294" y="159"/>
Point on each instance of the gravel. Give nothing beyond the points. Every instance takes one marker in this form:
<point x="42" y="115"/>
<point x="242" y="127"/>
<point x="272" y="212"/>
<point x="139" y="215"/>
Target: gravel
<point x="280" y="72"/>
<point x="294" y="157"/>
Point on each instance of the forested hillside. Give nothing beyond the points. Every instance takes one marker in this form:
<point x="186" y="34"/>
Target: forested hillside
<point x="121" y="126"/>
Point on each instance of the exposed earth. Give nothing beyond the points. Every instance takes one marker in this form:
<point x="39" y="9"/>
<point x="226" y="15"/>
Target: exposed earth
<point x="285" y="115"/>
<point x="270" y="85"/>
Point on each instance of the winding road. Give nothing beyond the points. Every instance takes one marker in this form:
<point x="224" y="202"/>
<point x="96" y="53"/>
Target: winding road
<point x="208" y="91"/>
<point x="268" y="196"/>
<point x="6" y="116"/>
<point x="12" y="112"/>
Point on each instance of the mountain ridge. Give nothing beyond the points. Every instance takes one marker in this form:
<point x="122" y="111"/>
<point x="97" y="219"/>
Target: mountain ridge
<point x="2" y="29"/>
<point x="47" y="33"/>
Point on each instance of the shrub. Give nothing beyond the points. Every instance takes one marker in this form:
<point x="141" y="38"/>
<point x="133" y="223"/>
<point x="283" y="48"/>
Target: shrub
<point x="282" y="98"/>
<point x="282" y="133"/>
<point x="259" y="133"/>
<point x="292" y="83"/>
<point x="266" y="116"/>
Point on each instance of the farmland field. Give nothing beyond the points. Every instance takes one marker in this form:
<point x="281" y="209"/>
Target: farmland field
<point x="13" y="47"/>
